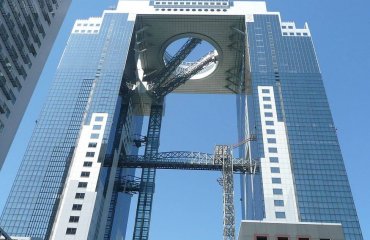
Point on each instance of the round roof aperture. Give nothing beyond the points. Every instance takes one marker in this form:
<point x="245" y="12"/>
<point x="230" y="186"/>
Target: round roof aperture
<point x="199" y="56"/>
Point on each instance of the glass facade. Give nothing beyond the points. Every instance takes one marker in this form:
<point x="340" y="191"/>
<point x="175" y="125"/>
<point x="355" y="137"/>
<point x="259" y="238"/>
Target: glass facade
<point x="88" y="81"/>
<point x="286" y="61"/>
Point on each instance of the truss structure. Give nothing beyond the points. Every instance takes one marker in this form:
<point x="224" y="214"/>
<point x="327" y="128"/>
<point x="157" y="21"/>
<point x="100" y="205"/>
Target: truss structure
<point x="187" y="161"/>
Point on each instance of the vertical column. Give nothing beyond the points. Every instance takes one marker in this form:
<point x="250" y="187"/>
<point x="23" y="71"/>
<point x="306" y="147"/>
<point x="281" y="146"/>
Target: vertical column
<point x="145" y="200"/>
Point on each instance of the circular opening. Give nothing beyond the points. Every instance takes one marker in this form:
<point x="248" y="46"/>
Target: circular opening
<point x="201" y="55"/>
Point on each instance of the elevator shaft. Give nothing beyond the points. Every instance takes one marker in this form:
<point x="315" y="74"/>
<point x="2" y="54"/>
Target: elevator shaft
<point x="145" y="199"/>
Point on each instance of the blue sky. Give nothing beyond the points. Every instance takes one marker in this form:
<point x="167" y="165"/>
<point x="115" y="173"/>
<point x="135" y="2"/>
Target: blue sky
<point x="189" y="204"/>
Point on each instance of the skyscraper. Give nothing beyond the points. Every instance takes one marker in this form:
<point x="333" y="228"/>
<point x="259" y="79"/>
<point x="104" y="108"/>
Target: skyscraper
<point x="118" y="68"/>
<point x="303" y="175"/>
<point x="28" y="30"/>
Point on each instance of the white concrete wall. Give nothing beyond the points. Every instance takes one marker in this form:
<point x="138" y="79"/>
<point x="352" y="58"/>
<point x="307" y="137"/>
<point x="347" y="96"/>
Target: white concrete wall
<point x="284" y="164"/>
<point x="74" y="177"/>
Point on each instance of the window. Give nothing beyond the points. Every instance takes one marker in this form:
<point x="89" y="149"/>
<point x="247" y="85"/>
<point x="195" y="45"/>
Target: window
<point x="80" y="196"/>
<point x="279" y="203"/>
<point x="87" y="164"/>
<point x="96" y="127"/>
<point x="94" y="136"/>
<point x="304" y="238"/>
<point x="282" y="238"/>
<point x="273" y="150"/>
<point x="99" y="119"/>
<point x="274" y="159"/>
<point x="85" y="174"/>
<point x="277" y="191"/>
<point x="261" y="238"/>
<point x="284" y="27"/>
<point x="13" y="99"/>
<point x="1" y="126"/>
<point x="271" y="140"/>
<point x="280" y="215"/>
<point x="270" y="131"/>
<point x="90" y="154"/>
<point x="265" y="90"/>
<point x="92" y="145"/>
<point x="82" y="184"/>
<point x="7" y="111"/>
<point x="77" y="207"/>
<point x="290" y="27"/>
<point x="267" y="106"/>
<point x="266" y="98"/>
<point x="74" y="219"/>
<point x="275" y="170"/>
<point x="268" y="114"/>
<point x="276" y="180"/>
<point x="71" y="231"/>
<point x="270" y="123"/>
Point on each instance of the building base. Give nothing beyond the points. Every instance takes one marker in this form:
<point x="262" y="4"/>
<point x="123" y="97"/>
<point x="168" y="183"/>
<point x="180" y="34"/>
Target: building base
<point x="258" y="230"/>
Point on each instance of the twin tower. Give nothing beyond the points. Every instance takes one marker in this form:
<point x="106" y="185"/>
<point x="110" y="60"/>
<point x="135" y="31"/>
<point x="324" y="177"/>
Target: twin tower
<point x="116" y="69"/>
